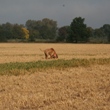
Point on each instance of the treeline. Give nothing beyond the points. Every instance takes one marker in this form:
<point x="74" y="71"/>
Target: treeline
<point x="9" y="32"/>
<point x="46" y="30"/>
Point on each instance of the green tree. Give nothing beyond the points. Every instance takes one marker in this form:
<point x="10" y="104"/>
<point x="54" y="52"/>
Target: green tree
<point x="31" y="24"/>
<point x="43" y="29"/>
<point x="101" y="35"/>
<point x="2" y="37"/>
<point x="63" y="33"/>
<point x="49" y="28"/>
<point x="106" y="29"/>
<point x="10" y="31"/>
<point x="79" y="32"/>
<point x="98" y="36"/>
<point x="34" y="28"/>
<point x="34" y="34"/>
<point x="18" y="32"/>
<point x="7" y="30"/>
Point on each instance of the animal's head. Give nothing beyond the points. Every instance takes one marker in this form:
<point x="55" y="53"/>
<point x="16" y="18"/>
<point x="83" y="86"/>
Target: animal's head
<point x="55" y="56"/>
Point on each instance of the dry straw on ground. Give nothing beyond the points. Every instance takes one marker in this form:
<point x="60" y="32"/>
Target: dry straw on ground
<point x="31" y="52"/>
<point x="74" y="89"/>
<point x="78" y="88"/>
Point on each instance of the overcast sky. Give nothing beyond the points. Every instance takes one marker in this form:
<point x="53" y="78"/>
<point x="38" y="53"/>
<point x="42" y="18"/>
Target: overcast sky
<point x="95" y="12"/>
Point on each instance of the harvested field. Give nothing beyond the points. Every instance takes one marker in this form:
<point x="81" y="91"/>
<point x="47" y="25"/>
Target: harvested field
<point x="73" y="88"/>
<point x="24" y="52"/>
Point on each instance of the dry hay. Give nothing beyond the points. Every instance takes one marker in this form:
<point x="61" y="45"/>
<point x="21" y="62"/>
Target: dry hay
<point x="25" y="52"/>
<point x="78" y="88"/>
<point x="72" y="89"/>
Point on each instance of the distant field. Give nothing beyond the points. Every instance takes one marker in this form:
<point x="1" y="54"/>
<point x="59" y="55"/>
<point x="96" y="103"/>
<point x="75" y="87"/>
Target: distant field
<point x="78" y="80"/>
<point x="24" y="52"/>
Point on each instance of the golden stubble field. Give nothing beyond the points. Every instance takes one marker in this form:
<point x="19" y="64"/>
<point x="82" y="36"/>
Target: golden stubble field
<point x="78" y="88"/>
<point x="24" y="52"/>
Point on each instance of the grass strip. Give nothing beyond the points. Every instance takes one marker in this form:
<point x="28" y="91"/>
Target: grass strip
<point x="12" y="68"/>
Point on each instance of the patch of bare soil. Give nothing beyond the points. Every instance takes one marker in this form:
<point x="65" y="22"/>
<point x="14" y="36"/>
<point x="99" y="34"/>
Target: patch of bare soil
<point x="82" y="88"/>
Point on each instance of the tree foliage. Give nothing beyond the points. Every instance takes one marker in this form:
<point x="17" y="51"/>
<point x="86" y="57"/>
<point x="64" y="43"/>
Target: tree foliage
<point x="79" y="32"/>
<point x="63" y="34"/>
<point x="46" y="30"/>
<point x="101" y="35"/>
<point x="26" y="33"/>
<point x="106" y="30"/>
<point x="10" y="31"/>
<point x="42" y="29"/>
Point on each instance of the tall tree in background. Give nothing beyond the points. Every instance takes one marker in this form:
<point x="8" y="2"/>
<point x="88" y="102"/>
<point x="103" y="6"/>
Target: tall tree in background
<point x="7" y="30"/>
<point x="42" y="29"/>
<point x="10" y="31"/>
<point x="2" y="37"/>
<point x="106" y="29"/>
<point x="33" y="27"/>
<point x="18" y="32"/>
<point x="49" y="28"/>
<point x="79" y="32"/>
<point x="63" y="33"/>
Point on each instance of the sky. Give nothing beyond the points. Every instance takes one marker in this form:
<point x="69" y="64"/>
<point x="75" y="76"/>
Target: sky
<point x="95" y="12"/>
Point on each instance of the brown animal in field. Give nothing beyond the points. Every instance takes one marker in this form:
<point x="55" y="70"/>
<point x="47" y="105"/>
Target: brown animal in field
<point x="50" y="53"/>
